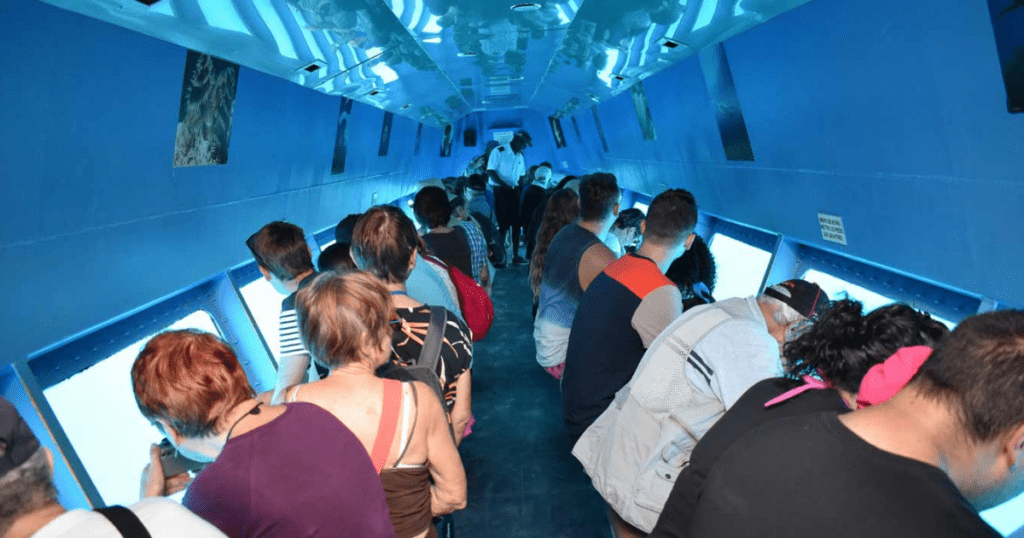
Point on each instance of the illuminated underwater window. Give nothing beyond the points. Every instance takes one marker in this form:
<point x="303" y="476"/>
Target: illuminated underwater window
<point x="324" y="246"/>
<point x="837" y="289"/>
<point x="740" y="267"/>
<point x="1006" y="517"/>
<point x="97" y="410"/>
<point x="641" y="207"/>
<point x="264" y="304"/>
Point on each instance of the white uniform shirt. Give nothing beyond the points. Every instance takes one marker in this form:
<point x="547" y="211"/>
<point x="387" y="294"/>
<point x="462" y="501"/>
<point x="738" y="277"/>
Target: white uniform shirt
<point x="508" y="164"/>
<point x="161" y="517"/>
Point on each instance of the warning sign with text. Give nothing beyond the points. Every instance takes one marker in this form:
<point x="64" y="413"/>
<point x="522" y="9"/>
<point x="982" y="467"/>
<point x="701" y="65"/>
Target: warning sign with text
<point x="832" y="228"/>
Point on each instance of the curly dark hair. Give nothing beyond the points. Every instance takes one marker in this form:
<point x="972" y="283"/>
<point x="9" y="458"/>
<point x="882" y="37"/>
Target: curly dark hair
<point x="844" y="343"/>
<point x="563" y="207"/>
<point x="697" y="264"/>
<point x="629" y="218"/>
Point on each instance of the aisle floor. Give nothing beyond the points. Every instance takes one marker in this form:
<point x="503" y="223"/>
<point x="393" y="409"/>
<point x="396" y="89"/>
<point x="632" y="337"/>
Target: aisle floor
<point x="523" y="480"/>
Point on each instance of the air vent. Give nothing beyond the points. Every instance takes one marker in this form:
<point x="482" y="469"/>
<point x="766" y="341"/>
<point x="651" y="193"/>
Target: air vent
<point x="373" y="93"/>
<point x="147" y="2"/>
<point x="671" y="44"/>
<point x="526" y="6"/>
<point x="405" y="106"/>
<point x="313" y="67"/>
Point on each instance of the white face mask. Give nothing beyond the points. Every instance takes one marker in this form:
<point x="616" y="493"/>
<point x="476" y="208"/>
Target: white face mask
<point x="542" y="177"/>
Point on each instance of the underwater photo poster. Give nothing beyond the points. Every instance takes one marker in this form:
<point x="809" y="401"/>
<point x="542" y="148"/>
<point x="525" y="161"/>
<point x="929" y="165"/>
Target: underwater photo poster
<point x="643" y="112"/>
<point x="722" y="91"/>
<point x="556" y="131"/>
<point x="419" y="139"/>
<point x="1008" y="26"/>
<point x="385" y="134"/>
<point x="446" y="141"/>
<point x="600" y="128"/>
<point x="341" y="139"/>
<point x="206" y="111"/>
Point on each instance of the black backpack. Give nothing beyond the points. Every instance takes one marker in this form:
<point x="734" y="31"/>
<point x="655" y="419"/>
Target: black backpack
<point x="425" y="368"/>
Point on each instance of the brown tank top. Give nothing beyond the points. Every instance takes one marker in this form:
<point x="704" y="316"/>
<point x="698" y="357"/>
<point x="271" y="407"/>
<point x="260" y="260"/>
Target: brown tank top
<point x="408" y="493"/>
<point x="407" y="489"/>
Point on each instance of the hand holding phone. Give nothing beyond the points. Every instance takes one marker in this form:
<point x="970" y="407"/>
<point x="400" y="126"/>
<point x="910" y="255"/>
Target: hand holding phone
<point x="174" y="463"/>
<point x="166" y="473"/>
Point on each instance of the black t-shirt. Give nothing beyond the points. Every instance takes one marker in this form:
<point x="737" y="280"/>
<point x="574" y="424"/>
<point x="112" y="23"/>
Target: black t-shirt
<point x="746" y="414"/>
<point x="812" y="477"/>
<point x="453" y="248"/>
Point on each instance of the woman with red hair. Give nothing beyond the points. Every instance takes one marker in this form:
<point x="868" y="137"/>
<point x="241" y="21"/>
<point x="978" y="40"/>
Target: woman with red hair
<point x="290" y="470"/>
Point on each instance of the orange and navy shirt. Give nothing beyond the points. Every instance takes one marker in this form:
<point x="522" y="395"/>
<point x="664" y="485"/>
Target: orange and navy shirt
<point x="622" y="311"/>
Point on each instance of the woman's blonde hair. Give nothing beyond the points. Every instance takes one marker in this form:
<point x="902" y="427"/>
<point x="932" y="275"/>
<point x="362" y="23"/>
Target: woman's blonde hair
<point x="341" y="312"/>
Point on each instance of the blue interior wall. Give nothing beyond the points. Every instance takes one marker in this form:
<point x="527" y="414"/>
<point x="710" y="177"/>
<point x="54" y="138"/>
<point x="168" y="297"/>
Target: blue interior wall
<point x="96" y="220"/>
<point x="873" y="114"/>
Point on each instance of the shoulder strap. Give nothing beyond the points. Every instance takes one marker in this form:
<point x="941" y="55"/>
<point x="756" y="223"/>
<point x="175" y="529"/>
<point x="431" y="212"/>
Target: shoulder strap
<point x="412" y="430"/>
<point x="126" y="522"/>
<point x="388" y="423"/>
<point x="430" y="353"/>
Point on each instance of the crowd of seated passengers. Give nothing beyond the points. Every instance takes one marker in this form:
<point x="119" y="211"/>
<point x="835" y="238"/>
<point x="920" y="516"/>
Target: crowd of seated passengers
<point x="732" y="419"/>
<point x="723" y="359"/>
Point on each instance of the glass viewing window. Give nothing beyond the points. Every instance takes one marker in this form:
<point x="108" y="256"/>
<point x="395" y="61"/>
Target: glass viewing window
<point x="97" y="410"/>
<point x="837" y="289"/>
<point x="1006" y="517"/>
<point x="740" y="267"/>
<point x="264" y="303"/>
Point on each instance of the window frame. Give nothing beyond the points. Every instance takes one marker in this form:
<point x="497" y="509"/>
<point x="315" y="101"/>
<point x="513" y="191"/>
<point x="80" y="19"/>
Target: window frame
<point x="217" y="296"/>
<point x="940" y="300"/>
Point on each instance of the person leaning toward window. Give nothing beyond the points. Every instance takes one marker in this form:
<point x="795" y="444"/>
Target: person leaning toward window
<point x="276" y="470"/>
<point x="344" y="320"/>
<point x="831" y="367"/>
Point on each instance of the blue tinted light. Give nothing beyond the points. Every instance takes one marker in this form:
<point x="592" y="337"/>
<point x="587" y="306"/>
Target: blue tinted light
<point x="707" y="12"/>
<point x="221" y="14"/>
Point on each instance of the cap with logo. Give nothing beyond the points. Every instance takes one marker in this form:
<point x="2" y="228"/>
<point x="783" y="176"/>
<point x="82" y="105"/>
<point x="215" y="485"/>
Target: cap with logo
<point x="805" y="297"/>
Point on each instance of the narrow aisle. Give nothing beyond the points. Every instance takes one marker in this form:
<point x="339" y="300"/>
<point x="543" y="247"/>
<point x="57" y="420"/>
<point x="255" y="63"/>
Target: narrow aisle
<point x="523" y="480"/>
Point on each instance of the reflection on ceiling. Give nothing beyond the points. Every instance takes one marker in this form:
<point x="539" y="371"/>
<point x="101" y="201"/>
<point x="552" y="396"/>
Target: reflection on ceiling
<point x="437" y="60"/>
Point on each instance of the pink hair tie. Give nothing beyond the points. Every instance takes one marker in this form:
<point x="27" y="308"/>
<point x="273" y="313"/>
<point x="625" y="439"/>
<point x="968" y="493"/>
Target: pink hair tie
<point x="810" y="383"/>
<point x="884" y="380"/>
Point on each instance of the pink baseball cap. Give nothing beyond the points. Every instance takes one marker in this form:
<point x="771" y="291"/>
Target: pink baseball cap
<point x="884" y="380"/>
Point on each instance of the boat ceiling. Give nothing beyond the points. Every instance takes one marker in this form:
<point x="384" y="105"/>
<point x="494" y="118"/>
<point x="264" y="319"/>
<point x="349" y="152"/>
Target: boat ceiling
<point x="436" y="61"/>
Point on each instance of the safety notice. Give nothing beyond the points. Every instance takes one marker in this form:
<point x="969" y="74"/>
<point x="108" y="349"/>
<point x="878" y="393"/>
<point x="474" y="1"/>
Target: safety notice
<point x="832" y="228"/>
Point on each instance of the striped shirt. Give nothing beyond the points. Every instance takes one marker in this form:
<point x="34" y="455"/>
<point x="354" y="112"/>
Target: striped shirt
<point x="288" y="324"/>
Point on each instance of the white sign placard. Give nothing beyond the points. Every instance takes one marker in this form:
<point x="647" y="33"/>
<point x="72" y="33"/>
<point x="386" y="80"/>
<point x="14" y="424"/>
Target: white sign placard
<point x="832" y="228"/>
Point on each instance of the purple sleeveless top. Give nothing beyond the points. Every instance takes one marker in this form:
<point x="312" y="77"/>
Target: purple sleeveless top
<point x="302" y="474"/>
